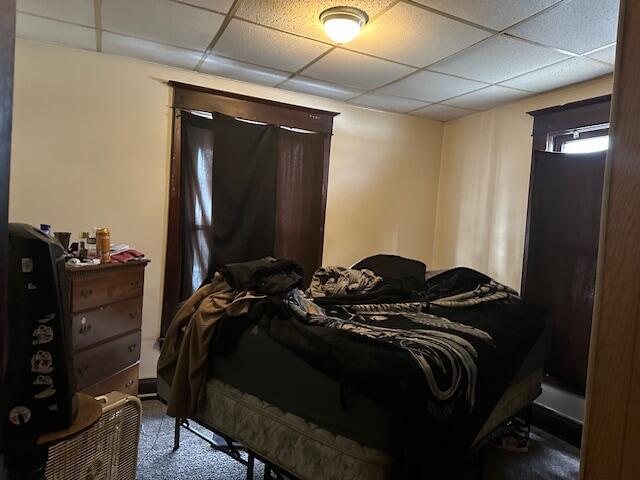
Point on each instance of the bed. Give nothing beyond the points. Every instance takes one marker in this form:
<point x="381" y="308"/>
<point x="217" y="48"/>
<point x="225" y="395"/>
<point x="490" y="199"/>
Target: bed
<point x="305" y="422"/>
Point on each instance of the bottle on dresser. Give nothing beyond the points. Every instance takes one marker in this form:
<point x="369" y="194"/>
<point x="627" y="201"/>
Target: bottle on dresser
<point x="82" y="245"/>
<point x="103" y="242"/>
<point x="92" y="251"/>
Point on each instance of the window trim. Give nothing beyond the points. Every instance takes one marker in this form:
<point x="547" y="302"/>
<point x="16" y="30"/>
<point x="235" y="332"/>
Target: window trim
<point x="555" y="140"/>
<point x="192" y="97"/>
<point x="570" y="116"/>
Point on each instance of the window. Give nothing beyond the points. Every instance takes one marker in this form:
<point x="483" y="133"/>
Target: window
<point x="202" y="217"/>
<point x="586" y="145"/>
<point x="567" y="128"/>
<point x="265" y="193"/>
<point x="580" y="140"/>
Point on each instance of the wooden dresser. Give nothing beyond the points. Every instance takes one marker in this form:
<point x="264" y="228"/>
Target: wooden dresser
<point x="106" y="318"/>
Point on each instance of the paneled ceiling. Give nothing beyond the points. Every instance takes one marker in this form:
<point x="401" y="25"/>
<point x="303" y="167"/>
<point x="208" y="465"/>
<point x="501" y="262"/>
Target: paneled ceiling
<point x="440" y="59"/>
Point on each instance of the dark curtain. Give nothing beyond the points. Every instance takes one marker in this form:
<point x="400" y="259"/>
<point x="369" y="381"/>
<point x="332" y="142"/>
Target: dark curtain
<point x="196" y="201"/>
<point x="299" y="214"/>
<point x="248" y="191"/>
<point x="244" y="184"/>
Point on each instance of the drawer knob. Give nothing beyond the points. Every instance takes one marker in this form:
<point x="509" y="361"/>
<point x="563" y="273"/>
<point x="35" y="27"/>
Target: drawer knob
<point x="84" y="329"/>
<point x="136" y="284"/>
<point x="86" y="293"/>
<point x="133" y="315"/>
<point x="82" y="370"/>
<point x="132" y="347"/>
<point x="129" y="383"/>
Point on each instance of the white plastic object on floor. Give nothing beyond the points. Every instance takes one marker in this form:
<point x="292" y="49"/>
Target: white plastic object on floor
<point x="106" y="451"/>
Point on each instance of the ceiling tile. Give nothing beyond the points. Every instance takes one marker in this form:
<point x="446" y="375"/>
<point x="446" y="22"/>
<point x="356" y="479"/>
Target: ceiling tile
<point x="497" y="59"/>
<point x="161" y="21"/>
<point x="52" y="31"/>
<point x="221" y="6"/>
<point x="495" y="14"/>
<point x="441" y="112"/>
<point x="226" y="67"/>
<point x="263" y="46"/>
<point x="574" y="70"/>
<point x="431" y="86"/>
<point x="146" y="50"/>
<point x="607" y="54"/>
<point x="301" y="17"/>
<point x="487" y="98"/>
<point x="388" y="102"/>
<point x="317" y="87"/>
<point x="74" y="11"/>
<point x="355" y="70"/>
<point x="577" y="26"/>
<point x="424" y="37"/>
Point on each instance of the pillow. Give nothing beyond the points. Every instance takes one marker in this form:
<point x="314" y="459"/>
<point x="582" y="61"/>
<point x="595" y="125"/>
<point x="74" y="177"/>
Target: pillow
<point x="392" y="266"/>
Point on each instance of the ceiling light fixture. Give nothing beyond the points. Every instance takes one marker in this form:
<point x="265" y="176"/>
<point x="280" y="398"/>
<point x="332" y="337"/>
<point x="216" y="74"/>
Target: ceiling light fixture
<point x="343" y="24"/>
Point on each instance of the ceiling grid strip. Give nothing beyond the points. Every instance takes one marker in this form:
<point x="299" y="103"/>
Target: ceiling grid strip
<point x="232" y="14"/>
<point x="216" y="37"/>
<point x="495" y="33"/>
<point x="97" y="11"/>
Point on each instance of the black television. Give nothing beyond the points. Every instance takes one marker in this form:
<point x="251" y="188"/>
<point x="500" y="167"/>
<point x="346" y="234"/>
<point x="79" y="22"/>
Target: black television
<point x="40" y="384"/>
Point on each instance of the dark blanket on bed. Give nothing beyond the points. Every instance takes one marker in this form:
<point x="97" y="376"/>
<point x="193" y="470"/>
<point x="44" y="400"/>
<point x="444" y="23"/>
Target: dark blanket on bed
<point x="439" y="354"/>
<point x="436" y="353"/>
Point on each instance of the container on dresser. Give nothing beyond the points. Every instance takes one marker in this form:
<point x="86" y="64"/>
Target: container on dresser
<point x="106" y="320"/>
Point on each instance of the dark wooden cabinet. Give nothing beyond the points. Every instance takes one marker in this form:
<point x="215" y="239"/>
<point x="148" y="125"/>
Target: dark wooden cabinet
<point x="563" y="231"/>
<point x="106" y="321"/>
<point x="562" y="255"/>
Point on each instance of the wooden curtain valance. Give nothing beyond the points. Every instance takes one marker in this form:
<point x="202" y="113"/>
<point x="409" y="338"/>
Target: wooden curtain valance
<point x="584" y="113"/>
<point x="192" y="97"/>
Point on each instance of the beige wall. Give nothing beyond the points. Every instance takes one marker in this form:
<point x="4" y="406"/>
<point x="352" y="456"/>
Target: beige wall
<point x="91" y="147"/>
<point x="484" y="182"/>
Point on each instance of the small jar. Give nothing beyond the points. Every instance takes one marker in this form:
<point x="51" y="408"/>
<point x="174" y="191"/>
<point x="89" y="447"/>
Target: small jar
<point x="92" y="253"/>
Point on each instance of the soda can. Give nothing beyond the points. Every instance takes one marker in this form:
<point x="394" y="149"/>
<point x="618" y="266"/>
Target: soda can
<point x="103" y="244"/>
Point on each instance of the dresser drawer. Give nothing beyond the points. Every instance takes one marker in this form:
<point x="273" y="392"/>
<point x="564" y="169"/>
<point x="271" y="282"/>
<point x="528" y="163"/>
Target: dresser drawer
<point x="94" y="326"/>
<point x="125" y="381"/>
<point x="94" y="364"/>
<point x="107" y="287"/>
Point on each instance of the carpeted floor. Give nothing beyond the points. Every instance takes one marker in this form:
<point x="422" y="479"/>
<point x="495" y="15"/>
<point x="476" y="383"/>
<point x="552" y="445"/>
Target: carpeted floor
<point x="548" y="459"/>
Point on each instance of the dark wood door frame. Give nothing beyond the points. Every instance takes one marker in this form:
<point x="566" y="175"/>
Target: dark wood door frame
<point x="583" y="113"/>
<point x="7" y="52"/>
<point x="591" y="111"/>
<point x="612" y="423"/>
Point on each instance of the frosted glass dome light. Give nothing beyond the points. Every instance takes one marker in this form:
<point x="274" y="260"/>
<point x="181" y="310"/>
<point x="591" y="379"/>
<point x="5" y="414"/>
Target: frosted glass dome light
<point x="343" y="24"/>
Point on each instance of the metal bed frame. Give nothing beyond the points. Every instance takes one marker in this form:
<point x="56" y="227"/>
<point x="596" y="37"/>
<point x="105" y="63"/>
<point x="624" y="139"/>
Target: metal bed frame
<point x="231" y="449"/>
<point x="272" y="471"/>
